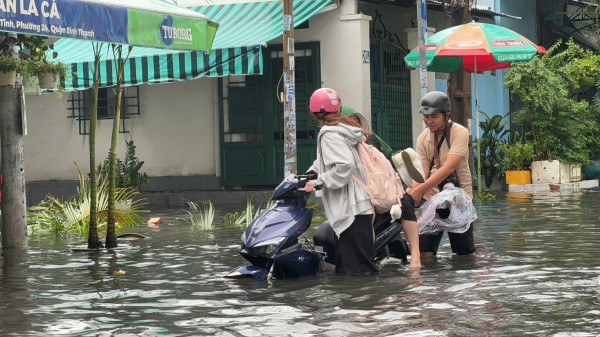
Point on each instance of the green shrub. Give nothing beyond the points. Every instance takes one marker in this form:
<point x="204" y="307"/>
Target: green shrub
<point x="517" y="156"/>
<point x="9" y="63"/>
<point x="72" y="216"/>
<point x="490" y="142"/>
<point x="128" y="171"/>
<point x="555" y="116"/>
<point x="38" y="67"/>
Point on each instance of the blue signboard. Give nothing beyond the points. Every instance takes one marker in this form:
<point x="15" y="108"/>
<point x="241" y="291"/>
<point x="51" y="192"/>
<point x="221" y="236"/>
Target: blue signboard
<point x="141" y="23"/>
<point x="75" y="19"/>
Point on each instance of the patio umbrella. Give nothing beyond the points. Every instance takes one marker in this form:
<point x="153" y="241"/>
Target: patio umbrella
<point x="476" y="47"/>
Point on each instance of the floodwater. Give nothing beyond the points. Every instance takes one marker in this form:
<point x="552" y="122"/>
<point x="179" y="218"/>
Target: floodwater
<point x="536" y="273"/>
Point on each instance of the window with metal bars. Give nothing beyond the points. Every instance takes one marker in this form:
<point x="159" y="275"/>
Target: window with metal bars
<point x="80" y="106"/>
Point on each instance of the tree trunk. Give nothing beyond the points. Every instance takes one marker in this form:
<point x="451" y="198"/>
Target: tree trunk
<point x="93" y="239"/>
<point x="111" y="235"/>
<point x="14" y="206"/>
<point x="460" y="84"/>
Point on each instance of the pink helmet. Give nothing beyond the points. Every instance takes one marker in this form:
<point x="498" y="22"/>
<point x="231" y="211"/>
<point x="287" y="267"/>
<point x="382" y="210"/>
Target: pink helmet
<point x="325" y="101"/>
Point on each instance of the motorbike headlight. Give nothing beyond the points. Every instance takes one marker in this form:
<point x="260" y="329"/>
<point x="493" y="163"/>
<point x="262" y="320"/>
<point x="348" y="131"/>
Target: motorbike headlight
<point x="269" y="247"/>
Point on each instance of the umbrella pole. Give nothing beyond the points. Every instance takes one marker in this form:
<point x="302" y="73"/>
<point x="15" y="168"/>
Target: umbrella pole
<point x="477" y="128"/>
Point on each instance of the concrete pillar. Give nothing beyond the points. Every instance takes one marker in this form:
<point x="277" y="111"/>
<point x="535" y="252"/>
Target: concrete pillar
<point x="14" y="206"/>
<point x="415" y="83"/>
<point x="345" y="39"/>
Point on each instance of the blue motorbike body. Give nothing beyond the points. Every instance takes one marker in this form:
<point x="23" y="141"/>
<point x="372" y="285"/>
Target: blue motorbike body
<point x="271" y="245"/>
<point x="270" y="242"/>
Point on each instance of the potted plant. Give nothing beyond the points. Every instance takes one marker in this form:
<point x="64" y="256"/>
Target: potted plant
<point x="9" y="67"/>
<point x="555" y="114"/>
<point x="48" y="72"/>
<point x="517" y="157"/>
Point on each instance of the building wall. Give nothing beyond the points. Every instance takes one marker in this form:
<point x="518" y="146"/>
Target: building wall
<point x="175" y="133"/>
<point x="526" y="9"/>
<point x="343" y="35"/>
<point x="494" y="97"/>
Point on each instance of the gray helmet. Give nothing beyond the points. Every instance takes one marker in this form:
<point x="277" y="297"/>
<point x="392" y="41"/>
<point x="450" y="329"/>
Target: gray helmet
<point x="434" y="102"/>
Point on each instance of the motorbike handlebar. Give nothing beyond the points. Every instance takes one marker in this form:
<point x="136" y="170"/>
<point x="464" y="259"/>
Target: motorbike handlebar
<point x="310" y="175"/>
<point x="304" y="178"/>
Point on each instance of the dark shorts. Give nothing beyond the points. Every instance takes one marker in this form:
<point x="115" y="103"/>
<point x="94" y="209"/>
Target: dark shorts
<point x="461" y="243"/>
<point x="408" y="208"/>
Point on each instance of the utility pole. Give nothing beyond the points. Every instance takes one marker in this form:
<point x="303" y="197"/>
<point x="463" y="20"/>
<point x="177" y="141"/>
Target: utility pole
<point x="12" y="130"/>
<point x="422" y="35"/>
<point x="460" y="81"/>
<point x="289" y="91"/>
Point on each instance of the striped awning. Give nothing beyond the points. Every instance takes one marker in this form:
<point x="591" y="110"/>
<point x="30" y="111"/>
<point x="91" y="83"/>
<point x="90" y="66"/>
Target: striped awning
<point x="237" y="48"/>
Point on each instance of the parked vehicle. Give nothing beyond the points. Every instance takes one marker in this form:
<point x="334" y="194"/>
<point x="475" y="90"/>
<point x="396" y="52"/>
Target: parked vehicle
<point x="272" y="242"/>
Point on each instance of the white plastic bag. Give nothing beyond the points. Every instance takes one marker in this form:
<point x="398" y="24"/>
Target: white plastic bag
<point x="462" y="212"/>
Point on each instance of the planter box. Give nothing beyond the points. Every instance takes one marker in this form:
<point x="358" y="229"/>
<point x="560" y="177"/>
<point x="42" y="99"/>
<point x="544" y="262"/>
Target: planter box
<point x="8" y="78"/>
<point x="591" y="170"/>
<point x="575" y="174"/>
<point x="550" y="172"/>
<point x="518" y="177"/>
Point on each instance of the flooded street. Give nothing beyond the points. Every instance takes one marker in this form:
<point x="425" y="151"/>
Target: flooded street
<point x="536" y="273"/>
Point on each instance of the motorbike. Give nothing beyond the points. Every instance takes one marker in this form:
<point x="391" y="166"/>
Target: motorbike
<point x="275" y="247"/>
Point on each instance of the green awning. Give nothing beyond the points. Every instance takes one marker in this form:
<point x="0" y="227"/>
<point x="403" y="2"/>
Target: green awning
<point x="237" y="48"/>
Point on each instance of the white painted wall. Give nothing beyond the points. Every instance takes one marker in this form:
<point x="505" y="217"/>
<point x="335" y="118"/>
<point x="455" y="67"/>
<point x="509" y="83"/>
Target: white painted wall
<point x="177" y="131"/>
<point x="343" y="36"/>
<point x="175" y="134"/>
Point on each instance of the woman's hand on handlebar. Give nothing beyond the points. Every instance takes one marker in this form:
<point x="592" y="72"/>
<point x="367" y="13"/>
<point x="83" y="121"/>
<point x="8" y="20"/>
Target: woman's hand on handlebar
<point x="310" y="186"/>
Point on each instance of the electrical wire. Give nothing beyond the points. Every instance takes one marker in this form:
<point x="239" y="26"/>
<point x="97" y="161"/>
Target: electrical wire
<point x="452" y="8"/>
<point x="277" y="90"/>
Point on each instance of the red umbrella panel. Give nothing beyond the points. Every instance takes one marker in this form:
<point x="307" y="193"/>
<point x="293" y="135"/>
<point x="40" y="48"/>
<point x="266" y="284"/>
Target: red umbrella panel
<point x="476" y="47"/>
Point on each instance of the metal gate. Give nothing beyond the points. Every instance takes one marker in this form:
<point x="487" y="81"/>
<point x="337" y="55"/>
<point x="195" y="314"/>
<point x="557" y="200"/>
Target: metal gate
<point x="390" y="87"/>
<point x="252" y="123"/>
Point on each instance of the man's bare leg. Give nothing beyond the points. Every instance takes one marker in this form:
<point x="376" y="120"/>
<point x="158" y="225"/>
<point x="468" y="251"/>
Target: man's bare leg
<point x="412" y="235"/>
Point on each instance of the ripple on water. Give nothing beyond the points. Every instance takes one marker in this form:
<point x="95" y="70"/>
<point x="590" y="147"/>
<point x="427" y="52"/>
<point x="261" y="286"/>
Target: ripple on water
<point x="534" y="274"/>
<point x="67" y="326"/>
<point x="459" y="287"/>
<point x="395" y="315"/>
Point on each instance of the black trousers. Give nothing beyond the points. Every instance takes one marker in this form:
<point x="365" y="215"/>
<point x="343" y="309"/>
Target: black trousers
<point x="355" y="251"/>
<point x="460" y="243"/>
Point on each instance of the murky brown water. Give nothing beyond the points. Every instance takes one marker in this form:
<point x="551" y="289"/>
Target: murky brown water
<point x="536" y="274"/>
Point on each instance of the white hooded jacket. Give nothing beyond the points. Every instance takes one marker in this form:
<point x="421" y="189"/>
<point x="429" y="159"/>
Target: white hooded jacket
<point x="336" y="164"/>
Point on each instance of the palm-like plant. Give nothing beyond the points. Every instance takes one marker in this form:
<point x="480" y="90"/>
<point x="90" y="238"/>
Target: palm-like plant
<point x="493" y="137"/>
<point x="73" y="217"/>
<point x="201" y="215"/>
<point x="248" y="215"/>
<point x="127" y="171"/>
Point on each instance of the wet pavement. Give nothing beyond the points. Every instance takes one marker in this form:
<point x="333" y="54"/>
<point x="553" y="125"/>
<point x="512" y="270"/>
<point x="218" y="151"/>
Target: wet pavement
<point x="535" y="274"/>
